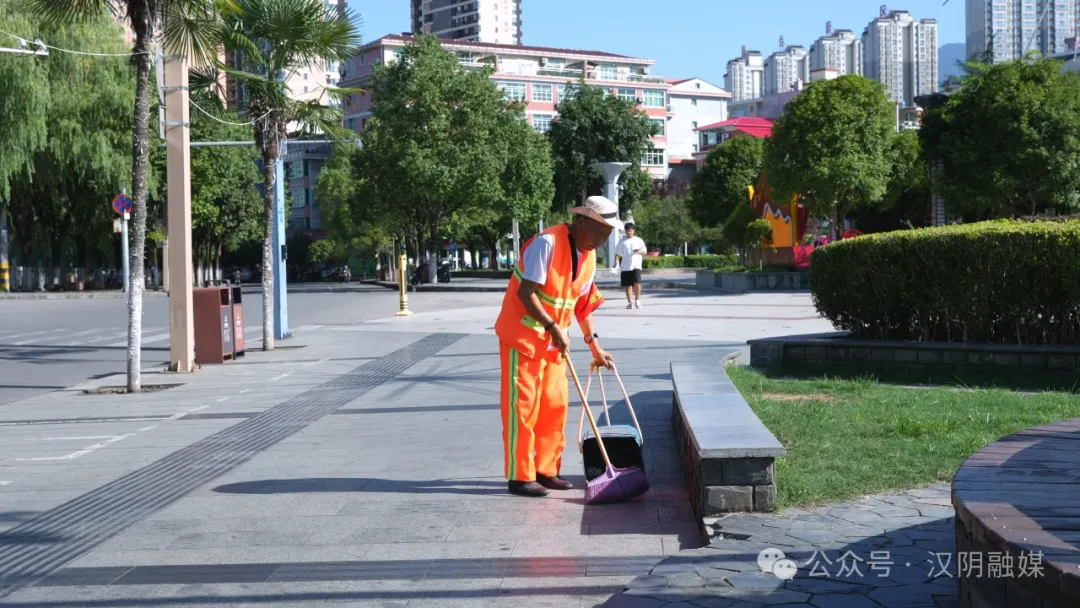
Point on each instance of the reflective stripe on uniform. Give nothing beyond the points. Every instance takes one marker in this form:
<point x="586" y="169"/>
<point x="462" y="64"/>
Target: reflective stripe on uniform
<point x="511" y="448"/>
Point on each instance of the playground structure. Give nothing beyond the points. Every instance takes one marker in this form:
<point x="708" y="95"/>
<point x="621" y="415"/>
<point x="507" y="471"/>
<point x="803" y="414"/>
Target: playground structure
<point x="786" y="250"/>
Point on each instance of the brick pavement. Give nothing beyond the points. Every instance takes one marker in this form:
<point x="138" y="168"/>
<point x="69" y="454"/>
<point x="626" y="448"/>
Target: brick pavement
<point x="361" y="467"/>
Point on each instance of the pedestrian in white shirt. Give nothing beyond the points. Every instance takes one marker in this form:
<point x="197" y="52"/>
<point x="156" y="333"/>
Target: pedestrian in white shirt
<point x="628" y="258"/>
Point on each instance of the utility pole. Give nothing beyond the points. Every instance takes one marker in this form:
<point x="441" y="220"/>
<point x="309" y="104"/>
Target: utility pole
<point x="124" y="245"/>
<point x="181" y="274"/>
<point x="281" y="293"/>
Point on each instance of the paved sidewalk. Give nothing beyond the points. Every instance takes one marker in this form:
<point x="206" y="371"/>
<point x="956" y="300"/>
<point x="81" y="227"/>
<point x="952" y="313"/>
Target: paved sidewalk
<point x="889" y="551"/>
<point x="605" y="280"/>
<point x="357" y="467"/>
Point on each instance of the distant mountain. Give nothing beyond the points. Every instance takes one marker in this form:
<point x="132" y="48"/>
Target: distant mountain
<point x="948" y="56"/>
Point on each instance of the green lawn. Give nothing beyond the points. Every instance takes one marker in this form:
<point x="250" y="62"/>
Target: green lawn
<point x="847" y="438"/>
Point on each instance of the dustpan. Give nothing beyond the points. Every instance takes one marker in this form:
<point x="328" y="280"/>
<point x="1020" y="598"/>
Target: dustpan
<point x="624" y="442"/>
<point x="615" y="484"/>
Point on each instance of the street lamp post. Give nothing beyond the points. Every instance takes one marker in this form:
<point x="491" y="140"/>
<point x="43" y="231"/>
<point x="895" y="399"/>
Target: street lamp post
<point x="611" y="173"/>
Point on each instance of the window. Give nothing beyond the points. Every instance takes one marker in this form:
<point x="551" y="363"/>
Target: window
<point x="541" y="92"/>
<point x="305" y="89"/>
<point x="564" y="92"/>
<point x="305" y="75"/>
<point x="628" y="95"/>
<point x="695" y="147"/>
<point x="361" y="57"/>
<point x="327" y="79"/>
<point x="654" y="99"/>
<point x="660" y="125"/>
<point x="607" y="71"/>
<point x="351" y="124"/>
<point x="542" y="122"/>
<point x="697" y="85"/>
<point x="693" y="101"/>
<point x="513" y="91"/>
<point x="653" y="156"/>
<point x="695" y="124"/>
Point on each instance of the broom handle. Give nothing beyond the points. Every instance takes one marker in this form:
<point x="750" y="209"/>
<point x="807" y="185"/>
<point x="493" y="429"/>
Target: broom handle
<point x="588" y="412"/>
<point x="629" y="406"/>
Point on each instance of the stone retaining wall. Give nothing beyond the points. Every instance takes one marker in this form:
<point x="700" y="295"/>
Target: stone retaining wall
<point x="839" y="354"/>
<point x="723" y="485"/>
<point x="743" y="282"/>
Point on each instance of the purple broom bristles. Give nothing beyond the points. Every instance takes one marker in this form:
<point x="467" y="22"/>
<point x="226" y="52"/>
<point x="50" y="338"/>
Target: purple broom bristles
<point x="616" y="485"/>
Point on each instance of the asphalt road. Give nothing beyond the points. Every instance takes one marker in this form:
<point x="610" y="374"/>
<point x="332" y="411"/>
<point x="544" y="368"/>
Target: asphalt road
<point x="47" y="345"/>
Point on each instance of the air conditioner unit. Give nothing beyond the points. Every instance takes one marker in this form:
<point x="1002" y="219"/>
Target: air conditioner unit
<point x="645" y="70"/>
<point x="543" y="61"/>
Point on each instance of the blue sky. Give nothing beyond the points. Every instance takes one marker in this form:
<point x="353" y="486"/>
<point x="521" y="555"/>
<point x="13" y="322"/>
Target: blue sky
<point x="685" y="37"/>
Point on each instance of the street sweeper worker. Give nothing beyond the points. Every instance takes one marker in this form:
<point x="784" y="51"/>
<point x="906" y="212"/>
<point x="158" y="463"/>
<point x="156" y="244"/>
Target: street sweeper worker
<point x="552" y="284"/>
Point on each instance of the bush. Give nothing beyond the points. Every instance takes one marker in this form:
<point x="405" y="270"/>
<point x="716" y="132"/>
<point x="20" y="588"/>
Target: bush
<point x="1000" y="282"/>
<point x="689" y="261"/>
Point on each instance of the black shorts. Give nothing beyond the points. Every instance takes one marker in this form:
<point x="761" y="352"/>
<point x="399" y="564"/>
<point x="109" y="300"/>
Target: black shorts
<point x="630" y="277"/>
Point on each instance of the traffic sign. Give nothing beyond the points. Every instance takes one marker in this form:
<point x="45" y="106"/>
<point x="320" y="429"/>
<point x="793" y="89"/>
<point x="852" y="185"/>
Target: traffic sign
<point x="121" y="204"/>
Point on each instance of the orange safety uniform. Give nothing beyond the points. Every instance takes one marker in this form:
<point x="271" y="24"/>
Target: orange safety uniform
<point x="533" y="393"/>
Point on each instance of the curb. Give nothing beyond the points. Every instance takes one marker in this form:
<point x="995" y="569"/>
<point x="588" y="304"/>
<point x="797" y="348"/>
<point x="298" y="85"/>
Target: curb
<point x="64" y="295"/>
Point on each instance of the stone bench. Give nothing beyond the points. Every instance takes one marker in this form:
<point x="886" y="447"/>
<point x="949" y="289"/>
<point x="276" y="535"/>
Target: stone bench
<point x="1017" y="504"/>
<point x="728" y="453"/>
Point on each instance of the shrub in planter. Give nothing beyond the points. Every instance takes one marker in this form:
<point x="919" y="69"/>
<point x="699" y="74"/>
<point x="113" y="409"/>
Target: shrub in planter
<point x="689" y="261"/>
<point x="999" y="282"/>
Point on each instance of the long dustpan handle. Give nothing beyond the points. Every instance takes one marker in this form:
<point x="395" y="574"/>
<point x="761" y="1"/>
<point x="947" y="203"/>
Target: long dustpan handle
<point x="630" y="407"/>
<point x="581" y="416"/>
<point x="588" y="412"/>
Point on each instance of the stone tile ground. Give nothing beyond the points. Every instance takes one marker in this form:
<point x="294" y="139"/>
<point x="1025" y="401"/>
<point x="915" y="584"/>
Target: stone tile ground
<point x="891" y="551"/>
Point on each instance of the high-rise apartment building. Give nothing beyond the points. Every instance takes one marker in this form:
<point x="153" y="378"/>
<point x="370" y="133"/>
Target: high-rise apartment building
<point x="1009" y="29"/>
<point x="840" y="52"/>
<point x="902" y="53"/>
<point x="493" y="21"/>
<point x="745" y="77"/>
<point x="785" y="69"/>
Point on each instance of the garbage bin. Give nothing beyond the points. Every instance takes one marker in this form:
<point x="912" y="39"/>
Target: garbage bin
<point x="238" y="321"/>
<point x="213" y="325"/>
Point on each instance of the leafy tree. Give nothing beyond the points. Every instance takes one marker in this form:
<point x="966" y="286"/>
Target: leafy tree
<point x="721" y="184"/>
<point x="435" y="152"/>
<point x="758" y="233"/>
<point x="327" y="251"/>
<point x="225" y="204"/>
<point x="665" y="223"/>
<point x="831" y="146"/>
<point x="907" y="197"/>
<point x="24" y="94"/>
<point x="346" y="213"/>
<point x="187" y="29"/>
<point x="526" y="192"/>
<point x="61" y="208"/>
<point x="1008" y="140"/>
<point x="274" y="38"/>
<point x="594" y="126"/>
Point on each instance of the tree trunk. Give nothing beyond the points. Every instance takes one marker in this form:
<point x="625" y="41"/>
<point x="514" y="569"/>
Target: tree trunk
<point x="493" y="259"/>
<point x="142" y="24"/>
<point x="270" y="154"/>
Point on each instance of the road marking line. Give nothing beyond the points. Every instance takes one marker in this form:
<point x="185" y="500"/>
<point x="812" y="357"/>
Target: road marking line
<point x="282" y="376"/>
<point x="33" y="333"/>
<point x="90" y="437"/>
<point x="33" y="422"/>
<point x="82" y="452"/>
<point x="111" y="440"/>
<point x="223" y="399"/>
<point x="314" y="363"/>
<point x="4" y="483"/>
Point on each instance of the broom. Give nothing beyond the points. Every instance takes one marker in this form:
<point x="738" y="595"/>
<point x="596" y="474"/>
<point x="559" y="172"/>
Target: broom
<point x="614" y="485"/>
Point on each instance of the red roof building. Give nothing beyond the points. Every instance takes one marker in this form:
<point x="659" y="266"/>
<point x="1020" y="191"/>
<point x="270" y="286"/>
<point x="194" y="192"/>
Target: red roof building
<point x="719" y="132"/>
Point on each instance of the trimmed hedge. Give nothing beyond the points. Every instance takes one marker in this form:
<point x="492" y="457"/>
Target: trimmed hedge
<point x="999" y="282"/>
<point x="690" y="261"/>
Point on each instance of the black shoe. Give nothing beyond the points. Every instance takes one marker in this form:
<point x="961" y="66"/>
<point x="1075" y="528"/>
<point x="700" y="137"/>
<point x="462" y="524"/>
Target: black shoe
<point x="553" y="483"/>
<point x="526" y="488"/>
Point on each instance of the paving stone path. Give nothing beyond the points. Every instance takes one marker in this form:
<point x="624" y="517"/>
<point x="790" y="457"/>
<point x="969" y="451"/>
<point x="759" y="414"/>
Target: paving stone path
<point x="889" y="551"/>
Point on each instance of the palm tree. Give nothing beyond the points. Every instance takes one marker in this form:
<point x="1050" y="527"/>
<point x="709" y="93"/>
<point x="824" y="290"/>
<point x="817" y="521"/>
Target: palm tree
<point x="187" y="28"/>
<point x="271" y="40"/>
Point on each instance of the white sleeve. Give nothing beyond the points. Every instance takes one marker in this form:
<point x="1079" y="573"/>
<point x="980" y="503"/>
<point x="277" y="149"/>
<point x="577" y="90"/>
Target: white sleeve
<point x="537" y="258"/>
